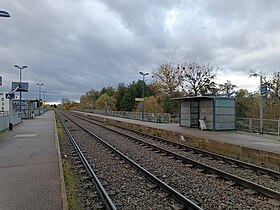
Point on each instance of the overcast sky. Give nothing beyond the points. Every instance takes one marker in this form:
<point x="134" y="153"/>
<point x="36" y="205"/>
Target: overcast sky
<point x="73" y="46"/>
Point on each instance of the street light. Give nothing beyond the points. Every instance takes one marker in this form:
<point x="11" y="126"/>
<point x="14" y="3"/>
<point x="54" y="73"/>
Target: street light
<point x="261" y="107"/>
<point x="143" y="88"/>
<point x="40" y="84"/>
<point x="44" y="102"/>
<point x="44" y="91"/>
<point x="20" y="68"/>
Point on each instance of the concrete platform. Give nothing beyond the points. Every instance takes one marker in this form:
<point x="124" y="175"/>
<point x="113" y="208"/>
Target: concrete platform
<point x="248" y="146"/>
<point x="30" y="175"/>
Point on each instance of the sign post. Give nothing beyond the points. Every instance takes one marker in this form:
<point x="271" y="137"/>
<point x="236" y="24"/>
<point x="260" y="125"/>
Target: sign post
<point x="10" y="96"/>
<point x="11" y="114"/>
<point x="261" y="107"/>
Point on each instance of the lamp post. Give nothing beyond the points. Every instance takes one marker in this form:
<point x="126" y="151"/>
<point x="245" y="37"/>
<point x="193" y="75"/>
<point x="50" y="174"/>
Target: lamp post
<point x="40" y="84"/>
<point x="261" y="107"/>
<point x="143" y="89"/>
<point x="44" y="91"/>
<point x="20" y="69"/>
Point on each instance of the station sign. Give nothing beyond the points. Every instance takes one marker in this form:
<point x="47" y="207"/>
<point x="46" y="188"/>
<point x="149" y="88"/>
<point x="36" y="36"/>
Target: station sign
<point x="10" y="95"/>
<point x="139" y="99"/>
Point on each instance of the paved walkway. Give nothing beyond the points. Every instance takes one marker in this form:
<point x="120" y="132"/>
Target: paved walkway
<point x="252" y="140"/>
<point x="29" y="166"/>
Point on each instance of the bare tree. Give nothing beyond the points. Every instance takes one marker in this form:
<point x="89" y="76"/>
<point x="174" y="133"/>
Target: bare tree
<point x="227" y="89"/>
<point x="198" y="79"/>
<point x="168" y="77"/>
<point x="274" y="86"/>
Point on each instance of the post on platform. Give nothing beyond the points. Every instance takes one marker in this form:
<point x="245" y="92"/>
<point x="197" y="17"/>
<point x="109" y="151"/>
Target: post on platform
<point x="143" y="95"/>
<point x="11" y="115"/>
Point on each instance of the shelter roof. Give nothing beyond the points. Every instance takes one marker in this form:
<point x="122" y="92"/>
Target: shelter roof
<point x="190" y="98"/>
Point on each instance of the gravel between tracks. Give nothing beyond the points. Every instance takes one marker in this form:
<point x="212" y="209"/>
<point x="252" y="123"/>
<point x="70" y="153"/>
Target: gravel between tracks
<point x="128" y="188"/>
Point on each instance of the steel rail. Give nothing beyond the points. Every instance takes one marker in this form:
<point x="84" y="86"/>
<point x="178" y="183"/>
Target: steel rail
<point x="246" y="165"/>
<point x="243" y="182"/>
<point x="104" y="195"/>
<point x="187" y="203"/>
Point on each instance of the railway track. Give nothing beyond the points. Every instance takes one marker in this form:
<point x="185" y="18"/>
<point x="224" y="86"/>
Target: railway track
<point x="181" y="151"/>
<point x="157" y="192"/>
<point x="103" y="195"/>
<point x="262" y="173"/>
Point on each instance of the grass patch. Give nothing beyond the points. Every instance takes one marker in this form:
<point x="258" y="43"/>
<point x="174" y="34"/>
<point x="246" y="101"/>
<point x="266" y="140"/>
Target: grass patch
<point x="60" y="130"/>
<point x="195" y="145"/>
<point x="73" y="202"/>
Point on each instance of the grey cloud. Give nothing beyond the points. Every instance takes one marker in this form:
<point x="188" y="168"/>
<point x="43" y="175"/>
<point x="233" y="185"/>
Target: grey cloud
<point x="72" y="46"/>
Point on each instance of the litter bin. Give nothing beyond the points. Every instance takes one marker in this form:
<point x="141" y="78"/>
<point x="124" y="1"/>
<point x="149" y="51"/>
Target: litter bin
<point x="10" y="126"/>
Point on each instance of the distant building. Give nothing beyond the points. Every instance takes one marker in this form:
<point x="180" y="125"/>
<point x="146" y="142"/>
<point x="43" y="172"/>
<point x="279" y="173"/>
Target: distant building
<point x="29" y="108"/>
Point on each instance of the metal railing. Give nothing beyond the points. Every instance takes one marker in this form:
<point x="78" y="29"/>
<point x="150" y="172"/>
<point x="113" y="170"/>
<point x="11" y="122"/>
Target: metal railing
<point x="16" y="118"/>
<point x="270" y="126"/>
<point x="174" y="118"/>
<point x="149" y="117"/>
<point x="4" y="122"/>
<point x="5" y="119"/>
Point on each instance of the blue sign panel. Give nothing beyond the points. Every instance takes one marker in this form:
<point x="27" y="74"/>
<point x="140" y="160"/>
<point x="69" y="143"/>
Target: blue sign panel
<point x="4" y="14"/>
<point x="264" y="89"/>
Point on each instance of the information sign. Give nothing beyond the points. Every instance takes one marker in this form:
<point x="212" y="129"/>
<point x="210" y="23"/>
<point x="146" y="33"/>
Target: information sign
<point x="10" y="95"/>
<point x="23" y="86"/>
<point x="139" y="99"/>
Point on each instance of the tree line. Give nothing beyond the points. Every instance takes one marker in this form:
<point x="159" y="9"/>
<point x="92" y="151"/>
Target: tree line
<point x="171" y="81"/>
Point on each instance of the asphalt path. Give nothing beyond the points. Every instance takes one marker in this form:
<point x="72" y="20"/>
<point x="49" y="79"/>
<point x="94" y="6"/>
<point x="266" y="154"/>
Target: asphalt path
<point x="29" y="169"/>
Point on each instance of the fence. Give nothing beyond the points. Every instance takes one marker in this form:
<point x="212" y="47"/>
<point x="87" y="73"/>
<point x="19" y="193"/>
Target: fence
<point x="149" y="117"/>
<point x="174" y="118"/>
<point x="246" y="124"/>
<point x="5" y="119"/>
<point x="253" y="125"/>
